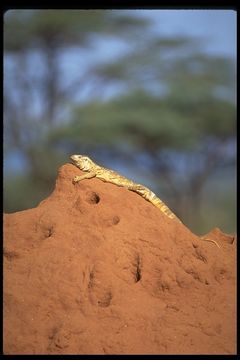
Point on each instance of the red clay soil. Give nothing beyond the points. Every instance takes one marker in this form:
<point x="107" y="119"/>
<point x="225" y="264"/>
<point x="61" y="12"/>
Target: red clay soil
<point x="96" y="269"/>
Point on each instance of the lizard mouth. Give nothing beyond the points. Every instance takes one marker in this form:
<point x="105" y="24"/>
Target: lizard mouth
<point x="73" y="158"/>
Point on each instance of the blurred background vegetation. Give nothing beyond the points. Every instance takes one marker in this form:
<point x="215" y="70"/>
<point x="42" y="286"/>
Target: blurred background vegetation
<point x="155" y="107"/>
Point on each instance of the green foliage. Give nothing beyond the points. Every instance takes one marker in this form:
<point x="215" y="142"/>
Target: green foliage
<point x="175" y="105"/>
<point x="28" y="29"/>
<point x="149" y="122"/>
<point x="26" y="191"/>
<point x="21" y="192"/>
<point x="218" y="199"/>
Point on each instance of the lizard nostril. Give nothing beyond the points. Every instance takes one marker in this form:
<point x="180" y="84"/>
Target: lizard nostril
<point x="92" y="197"/>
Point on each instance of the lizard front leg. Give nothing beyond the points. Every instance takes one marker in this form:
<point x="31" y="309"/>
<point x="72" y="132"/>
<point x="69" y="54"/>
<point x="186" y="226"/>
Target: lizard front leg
<point x="88" y="175"/>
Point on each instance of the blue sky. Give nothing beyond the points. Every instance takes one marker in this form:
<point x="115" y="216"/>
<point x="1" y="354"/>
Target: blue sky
<point x="216" y="30"/>
<point x="218" y="27"/>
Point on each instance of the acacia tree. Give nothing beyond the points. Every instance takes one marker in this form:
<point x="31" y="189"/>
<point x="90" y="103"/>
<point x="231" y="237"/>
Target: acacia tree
<point x="194" y="120"/>
<point x="177" y="110"/>
<point x="185" y="131"/>
<point x="38" y="89"/>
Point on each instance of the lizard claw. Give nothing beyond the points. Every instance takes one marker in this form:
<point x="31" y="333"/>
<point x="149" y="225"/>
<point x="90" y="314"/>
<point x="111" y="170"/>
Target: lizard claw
<point x="75" y="179"/>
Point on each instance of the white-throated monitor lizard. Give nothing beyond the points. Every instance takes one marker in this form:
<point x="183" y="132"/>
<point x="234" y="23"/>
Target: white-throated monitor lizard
<point x="91" y="169"/>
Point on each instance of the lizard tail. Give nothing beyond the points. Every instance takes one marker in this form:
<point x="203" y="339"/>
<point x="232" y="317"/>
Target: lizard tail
<point x="163" y="207"/>
<point x="151" y="197"/>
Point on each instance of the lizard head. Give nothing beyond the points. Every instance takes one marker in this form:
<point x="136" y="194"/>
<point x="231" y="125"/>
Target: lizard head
<point x="82" y="162"/>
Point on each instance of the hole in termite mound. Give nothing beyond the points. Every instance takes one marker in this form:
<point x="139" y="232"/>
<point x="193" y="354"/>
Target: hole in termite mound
<point x="92" y="197"/>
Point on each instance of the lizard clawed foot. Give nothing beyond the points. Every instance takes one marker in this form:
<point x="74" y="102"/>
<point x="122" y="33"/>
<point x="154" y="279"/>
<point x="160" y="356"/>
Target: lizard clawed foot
<point x="76" y="179"/>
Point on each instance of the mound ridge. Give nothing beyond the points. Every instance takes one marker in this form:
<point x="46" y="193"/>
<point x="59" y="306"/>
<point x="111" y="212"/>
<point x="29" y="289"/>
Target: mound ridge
<point x="96" y="269"/>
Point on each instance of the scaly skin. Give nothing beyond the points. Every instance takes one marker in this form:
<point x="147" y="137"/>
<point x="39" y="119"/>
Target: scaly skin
<point x="93" y="170"/>
<point x="84" y="163"/>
